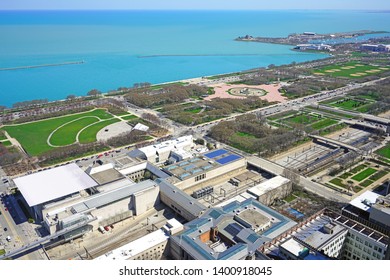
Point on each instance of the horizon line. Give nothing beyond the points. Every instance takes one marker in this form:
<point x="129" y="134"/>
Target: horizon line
<point x="198" y="9"/>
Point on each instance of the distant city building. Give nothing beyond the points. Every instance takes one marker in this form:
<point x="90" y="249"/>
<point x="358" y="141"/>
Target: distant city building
<point x="375" y="47"/>
<point x="231" y="232"/>
<point x="314" y="47"/>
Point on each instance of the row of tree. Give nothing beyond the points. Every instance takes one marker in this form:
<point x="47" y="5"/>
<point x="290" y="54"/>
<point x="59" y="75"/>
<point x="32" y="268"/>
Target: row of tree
<point x="251" y="133"/>
<point x="169" y="94"/>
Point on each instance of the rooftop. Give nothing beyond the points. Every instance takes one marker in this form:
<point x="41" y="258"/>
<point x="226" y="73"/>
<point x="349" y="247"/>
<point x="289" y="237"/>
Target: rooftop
<point x="268" y="185"/>
<point x="54" y="183"/>
<point x="203" y="163"/>
<point x="365" y="200"/>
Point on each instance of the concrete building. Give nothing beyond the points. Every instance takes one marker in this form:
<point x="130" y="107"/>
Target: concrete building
<point x="375" y="47"/>
<point x="110" y="204"/>
<point x="268" y="191"/>
<point x="293" y="249"/>
<point x="152" y="246"/>
<point x="160" y="153"/>
<point x="333" y="235"/>
<point x="180" y="202"/>
<point x="232" y="232"/>
<point x="370" y="209"/>
<point x="206" y="169"/>
<point x="314" y="47"/>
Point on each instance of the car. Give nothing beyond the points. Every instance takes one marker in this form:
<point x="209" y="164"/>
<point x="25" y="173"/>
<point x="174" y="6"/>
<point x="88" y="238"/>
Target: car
<point x="106" y="228"/>
<point x="5" y="229"/>
<point x="111" y="226"/>
<point x="6" y="209"/>
<point x="8" y="238"/>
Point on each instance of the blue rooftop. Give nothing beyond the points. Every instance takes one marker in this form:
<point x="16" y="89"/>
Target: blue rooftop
<point x="228" y="159"/>
<point x="216" y="153"/>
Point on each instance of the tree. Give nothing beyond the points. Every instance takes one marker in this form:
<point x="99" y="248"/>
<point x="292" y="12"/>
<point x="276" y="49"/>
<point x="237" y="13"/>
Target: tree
<point x="94" y="92"/>
<point x="71" y="97"/>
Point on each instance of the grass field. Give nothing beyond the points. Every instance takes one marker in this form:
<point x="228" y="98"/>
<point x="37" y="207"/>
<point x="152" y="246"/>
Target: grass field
<point x="366" y="183"/>
<point x="244" y="134"/>
<point x="2" y="136"/>
<point x="350" y="70"/>
<point x="364" y="174"/>
<point x="33" y="136"/>
<point x="358" y="168"/>
<point x="130" y="117"/>
<point x="303" y="119"/>
<point x="88" y="135"/>
<point x="338" y="182"/>
<point x="351" y="104"/>
<point x="193" y="110"/>
<point x="385" y="151"/>
<point x="6" y="143"/>
<point x="323" y="123"/>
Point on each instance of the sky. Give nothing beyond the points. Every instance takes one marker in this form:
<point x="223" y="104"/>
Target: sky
<point x="192" y="4"/>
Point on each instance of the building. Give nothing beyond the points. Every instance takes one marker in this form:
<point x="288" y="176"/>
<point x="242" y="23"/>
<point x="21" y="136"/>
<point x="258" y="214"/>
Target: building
<point x="206" y="169"/>
<point x="273" y="189"/>
<point x="371" y="209"/>
<point x="53" y="185"/>
<point x="231" y="232"/>
<point x="110" y="203"/>
<point x="334" y="236"/>
<point x="160" y="153"/>
<point x="313" y="47"/>
<point x="152" y="246"/>
<point x="293" y="249"/>
<point x="180" y="202"/>
<point x="375" y="47"/>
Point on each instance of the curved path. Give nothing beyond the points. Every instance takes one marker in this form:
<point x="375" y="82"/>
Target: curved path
<point x="55" y="130"/>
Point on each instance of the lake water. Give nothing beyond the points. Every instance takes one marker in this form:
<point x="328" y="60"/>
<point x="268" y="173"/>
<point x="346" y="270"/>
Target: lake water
<point x="121" y="48"/>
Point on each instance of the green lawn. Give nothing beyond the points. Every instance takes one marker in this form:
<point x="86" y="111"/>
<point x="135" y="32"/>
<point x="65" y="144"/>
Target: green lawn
<point x="290" y="198"/>
<point x="2" y="252"/>
<point x="385" y="151"/>
<point x="6" y="143"/>
<point x="351" y="104"/>
<point x="338" y="182"/>
<point x="366" y="183"/>
<point x="378" y="175"/>
<point x="2" y="136"/>
<point x="193" y="110"/>
<point x="66" y="135"/>
<point x="303" y="119"/>
<point x="364" y="174"/>
<point x="33" y="136"/>
<point x="130" y="117"/>
<point x="88" y="135"/>
<point x="358" y="168"/>
<point x="323" y="123"/>
<point x="244" y="134"/>
<point x="345" y="175"/>
<point x="356" y="71"/>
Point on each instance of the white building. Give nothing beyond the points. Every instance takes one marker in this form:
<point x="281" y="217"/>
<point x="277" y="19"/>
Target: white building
<point x="160" y="153"/>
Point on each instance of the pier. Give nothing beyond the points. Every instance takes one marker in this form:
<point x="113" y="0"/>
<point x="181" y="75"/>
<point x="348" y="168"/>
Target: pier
<point x="42" y="65"/>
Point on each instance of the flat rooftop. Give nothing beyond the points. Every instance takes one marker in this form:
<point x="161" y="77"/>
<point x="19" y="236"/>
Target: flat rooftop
<point x="268" y="185"/>
<point x="365" y="200"/>
<point x="54" y="183"/>
<point x="254" y="218"/>
<point x="203" y="163"/>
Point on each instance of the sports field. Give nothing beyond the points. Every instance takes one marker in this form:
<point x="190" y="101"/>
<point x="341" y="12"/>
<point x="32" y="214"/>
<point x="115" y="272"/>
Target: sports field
<point x="42" y="136"/>
<point x="350" y="70"/>
<point x="312" y="120"/>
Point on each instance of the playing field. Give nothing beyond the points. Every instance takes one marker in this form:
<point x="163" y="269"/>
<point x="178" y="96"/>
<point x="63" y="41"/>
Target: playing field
<point x="350" y="70"/>
<point x="42" y="136"/>
<point x="315" y="121"/>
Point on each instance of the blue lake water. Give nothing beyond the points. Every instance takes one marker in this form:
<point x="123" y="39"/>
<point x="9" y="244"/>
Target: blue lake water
<point x="121" y="48"/>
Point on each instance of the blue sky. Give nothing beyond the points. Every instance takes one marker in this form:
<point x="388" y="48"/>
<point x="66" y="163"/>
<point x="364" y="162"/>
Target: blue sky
<point x="192" y="4"/>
